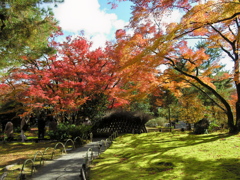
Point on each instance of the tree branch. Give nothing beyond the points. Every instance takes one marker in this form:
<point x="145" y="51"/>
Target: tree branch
<point x="227" y="52"/>
<point x="217" y="31"/>
<point x="206" y="95"/>
<point x="215" y="93"/>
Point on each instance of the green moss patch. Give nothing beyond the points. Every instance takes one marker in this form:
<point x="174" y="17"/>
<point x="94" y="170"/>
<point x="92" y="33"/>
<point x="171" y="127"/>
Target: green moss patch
<point x="181" y="156"/>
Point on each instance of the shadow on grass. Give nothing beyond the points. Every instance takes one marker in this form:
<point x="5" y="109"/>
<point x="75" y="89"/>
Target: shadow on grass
<point x="176" y="140"/>
<point x="18" y="152"/>
<point x="163" y="170"/>
<point x="191" y="168"/>
<point x="157" y="156"/>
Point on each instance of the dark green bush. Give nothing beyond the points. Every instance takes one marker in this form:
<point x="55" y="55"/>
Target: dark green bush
<point x="66" y="131"/>
<point x="201" y="126"/>
<point x="213" y="127"/>
<point x="80" y="130"/>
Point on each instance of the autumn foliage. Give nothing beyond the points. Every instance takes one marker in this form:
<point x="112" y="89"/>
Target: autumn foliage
<point x="166" y="43"/>
<point x="157" y="55"/>
<point x="69" y="78"/>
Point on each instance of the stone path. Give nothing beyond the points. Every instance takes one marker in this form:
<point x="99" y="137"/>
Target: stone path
<point x="66" y="167"/>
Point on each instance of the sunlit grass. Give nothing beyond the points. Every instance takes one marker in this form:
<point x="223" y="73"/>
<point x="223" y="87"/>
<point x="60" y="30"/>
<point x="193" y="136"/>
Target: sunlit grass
<point x="170" y="156"/>
<point x="18" y="152"/>
<point x="14" y="154"/>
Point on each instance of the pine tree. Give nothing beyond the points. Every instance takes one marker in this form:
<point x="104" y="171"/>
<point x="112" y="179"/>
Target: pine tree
<point x="24" y="31"/>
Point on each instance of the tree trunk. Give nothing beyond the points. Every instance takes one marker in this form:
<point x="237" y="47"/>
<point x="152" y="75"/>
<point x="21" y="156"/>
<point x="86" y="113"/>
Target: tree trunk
<point x="233" y="129"/>
<point x="238" y="107"/>
<point x="237" y="83"/>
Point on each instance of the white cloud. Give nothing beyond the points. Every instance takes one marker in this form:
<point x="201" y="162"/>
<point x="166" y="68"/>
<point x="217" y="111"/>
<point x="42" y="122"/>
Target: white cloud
<point x="226" y="60"/>
<point x="99" y="41"/>
<point x="77" y="15"/>
<point x="175" y="16"/>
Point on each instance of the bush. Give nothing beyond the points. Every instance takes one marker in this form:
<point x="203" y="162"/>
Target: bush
<point x="201" y="126"/>
<point x="213" y="127"/>
<point x="81" y="130"/>
<point x="66" y="131"/>
<point x="160" y="121"/>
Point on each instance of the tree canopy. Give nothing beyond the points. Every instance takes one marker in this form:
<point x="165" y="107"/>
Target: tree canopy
<point x="156" y="42"/>
<point x="24" y="31"/>
<point x="155" y="58"/>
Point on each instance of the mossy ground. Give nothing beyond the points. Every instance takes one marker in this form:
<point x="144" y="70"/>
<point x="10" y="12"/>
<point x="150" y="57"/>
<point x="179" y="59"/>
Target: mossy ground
<point x="156" y="156"/>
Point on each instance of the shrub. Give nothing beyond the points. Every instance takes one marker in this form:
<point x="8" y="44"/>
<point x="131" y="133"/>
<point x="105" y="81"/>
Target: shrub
<point x="201" y="126"/>
<point x="213" y="127"/>
<point x="66" y="131"/>
<point x="81" y="130"/>
<point x="160" y="121"/>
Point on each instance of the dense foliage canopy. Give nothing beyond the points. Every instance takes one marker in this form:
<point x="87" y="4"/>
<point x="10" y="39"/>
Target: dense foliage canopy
<point x="156" y="42"/>
<point x="154" y="63"/>
<point x="24" y="31"/>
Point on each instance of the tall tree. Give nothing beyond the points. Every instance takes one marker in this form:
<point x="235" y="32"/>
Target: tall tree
<point x="75" y="76"/>
<point x="165" y="43"/>
<point x="24" y="31"/>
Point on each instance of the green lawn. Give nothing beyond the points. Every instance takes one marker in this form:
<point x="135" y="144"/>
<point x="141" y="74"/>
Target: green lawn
<point x="156" y="156"/>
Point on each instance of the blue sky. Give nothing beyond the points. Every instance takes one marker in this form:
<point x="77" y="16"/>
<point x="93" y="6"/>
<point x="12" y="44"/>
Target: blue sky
<point x="95" y="17"/>
<point x="123" y="11"/>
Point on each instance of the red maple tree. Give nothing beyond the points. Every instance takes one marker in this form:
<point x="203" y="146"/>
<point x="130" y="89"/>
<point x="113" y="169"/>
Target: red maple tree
<point x="74" y="75"/>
